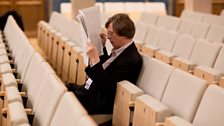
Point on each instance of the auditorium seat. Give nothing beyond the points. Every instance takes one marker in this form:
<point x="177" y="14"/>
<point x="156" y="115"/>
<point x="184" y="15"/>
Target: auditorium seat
<point x="69" y="112"/>
<point x="16" y="115"/>
<point x="192" y="15"/>
<point x="185" y="26"/>
<point x="199" y="30"/>
<point x="148" y="18"/>
<point x="66" y="61"/>
<point x="149" y="82"/>
<point x="213" y="20"/>
<point x="52" y="92"/>
<point x="215" y="34"/>
<point x="183" y="47"/>
<point x="212" y="74"/>
<point x="140" y="34"/>
<point x="209" y="112"/>
<point x="203" y="53"/>
<point x="181" y="97"/>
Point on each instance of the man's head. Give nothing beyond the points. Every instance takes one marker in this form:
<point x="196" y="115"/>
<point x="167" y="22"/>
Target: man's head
<point x="121" y="29"/>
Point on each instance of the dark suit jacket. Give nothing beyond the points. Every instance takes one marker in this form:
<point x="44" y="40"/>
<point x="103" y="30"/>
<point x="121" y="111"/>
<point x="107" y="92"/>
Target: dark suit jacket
<point x="99" y="99"/>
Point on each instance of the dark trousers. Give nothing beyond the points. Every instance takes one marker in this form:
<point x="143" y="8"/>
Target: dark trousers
<point x="79" y="91"/>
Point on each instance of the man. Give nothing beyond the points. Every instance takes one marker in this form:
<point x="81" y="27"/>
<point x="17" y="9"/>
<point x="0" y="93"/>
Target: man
<point x="124" y="63"/>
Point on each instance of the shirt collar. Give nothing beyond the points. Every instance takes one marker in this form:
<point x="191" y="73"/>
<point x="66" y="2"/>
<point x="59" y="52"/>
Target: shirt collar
<point x="121" y="49"/>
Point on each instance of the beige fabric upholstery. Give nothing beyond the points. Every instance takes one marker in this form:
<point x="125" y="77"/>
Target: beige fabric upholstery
<point x="167" y="40"/>
<point x="205" y="53"/>
<point x="185" y="26"/>
<point x="148" y="18"/>
<point x="17" y="114"/>
<point x="183" y="94"/>
<point x="68" y="112"/>
<point x="199" y="30"/>
<point x="215" y="34"/>
<point x="192" y="15"/>
<point x="211" y="108"/>
<point x="151" y="82"/>
<point x="213" y="20"/>
<point x="141" y="32"/>
<point x="13" y="94"/>
<point x="51" y="94"/>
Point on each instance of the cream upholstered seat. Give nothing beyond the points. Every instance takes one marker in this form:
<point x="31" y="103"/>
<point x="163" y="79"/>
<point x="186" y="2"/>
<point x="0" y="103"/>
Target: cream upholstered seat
<point x="70" y="112"/>
<point x="192" y="15"/>
<point x="181" y="97"/>
<point x="149" y="82"/>
<point x="213" y="20"/>
<point x="186" y="26"/>
<point x="212" y="74"/>
<point x="168" y="22"/>
<point x="183" y="47"/>
<point x="203" y="53"/>
<point x="52" y="92"/>
<point x="209" y="112"/>
<point x="16" y="114"/>
<point x="199" y="30"/>
<point x="148" y="18"/>
<point x="215" y="34"/>
<point x="140" y="34"/>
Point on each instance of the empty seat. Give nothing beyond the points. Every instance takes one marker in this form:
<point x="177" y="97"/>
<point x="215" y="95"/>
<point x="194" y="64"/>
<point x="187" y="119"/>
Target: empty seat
<point x="213" y="20"/>
<point x="183" y="47"/>
<point x="192" y="15"/>
<point x="149" y="82"/>
<point x="203" y="53"/>
<point x="140" y="34"/>
<point x="69" y="111"/>
<point x="199" y="30"/>
<point x="185" y="26"/>
<point x="181" y="97"/>
<point x="148" y="18"/>
<point x="215" y="34"/>
<point x="212" y="74"/>
<point x="209" y="112"/>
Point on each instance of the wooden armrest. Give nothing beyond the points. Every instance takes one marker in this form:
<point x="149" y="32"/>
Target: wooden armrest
<point x="211" y="75"/>
<point x="18" y="81"/>
<point x="164" y="56"/>
<point x="23" y="94"/>
<point x="125" y="95"/>
<point x="29" y="111"/>
<point x="159" y="124"/>
<point x="149" y="51"/>
<point x="183" y="64"/>
<point x="149" y="111"/>
<point x="4" y="111"/>
<point x="221" y="82"/>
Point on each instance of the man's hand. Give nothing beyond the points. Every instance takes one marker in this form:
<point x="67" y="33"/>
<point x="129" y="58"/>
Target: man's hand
<point x="103" y="36"/>
<point x="92" y="53"/>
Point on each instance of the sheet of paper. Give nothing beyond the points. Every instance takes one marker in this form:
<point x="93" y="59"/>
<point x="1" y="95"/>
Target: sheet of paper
<point x="91" y="26"/>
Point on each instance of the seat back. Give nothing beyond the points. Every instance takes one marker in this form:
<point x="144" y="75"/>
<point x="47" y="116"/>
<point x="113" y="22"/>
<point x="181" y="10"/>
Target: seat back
<point x="167" y="40"/>
<point x="153" y="35"/>
<point x="68" y="112"/>
<point x="151" y="82"/>
<point x="215" y="34"/>
<point x="148" y="18"/>
<point x="219" y="61"/>
<point x="213" y="20"/>
<point x="199" y="30"/>
<point x="183" y="93"/>
<point x="210" y="111"/>
<point x="141" y="32"/>
<point x="205" y="53"/>
<point x="185" y="26"/>
<point x="184" y="45"/>
<point x="51" y="94"/>
<point x="192" y="15"/>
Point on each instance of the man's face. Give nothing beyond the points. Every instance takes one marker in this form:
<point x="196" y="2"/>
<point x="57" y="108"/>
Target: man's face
<point x="114" y="38"/>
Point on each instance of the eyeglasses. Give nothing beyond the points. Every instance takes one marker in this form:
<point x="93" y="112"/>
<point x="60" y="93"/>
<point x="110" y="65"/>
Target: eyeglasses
<point x="109" y="34"/>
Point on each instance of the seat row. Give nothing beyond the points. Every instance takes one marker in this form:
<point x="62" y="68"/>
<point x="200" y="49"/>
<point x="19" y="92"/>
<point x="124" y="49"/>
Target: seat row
<point x="63" y="50"/>
<point x="211" y="32"/>
<point x="183" y="51"/>
<point x="41" y="86"/>
<point x="163" y="91"/>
